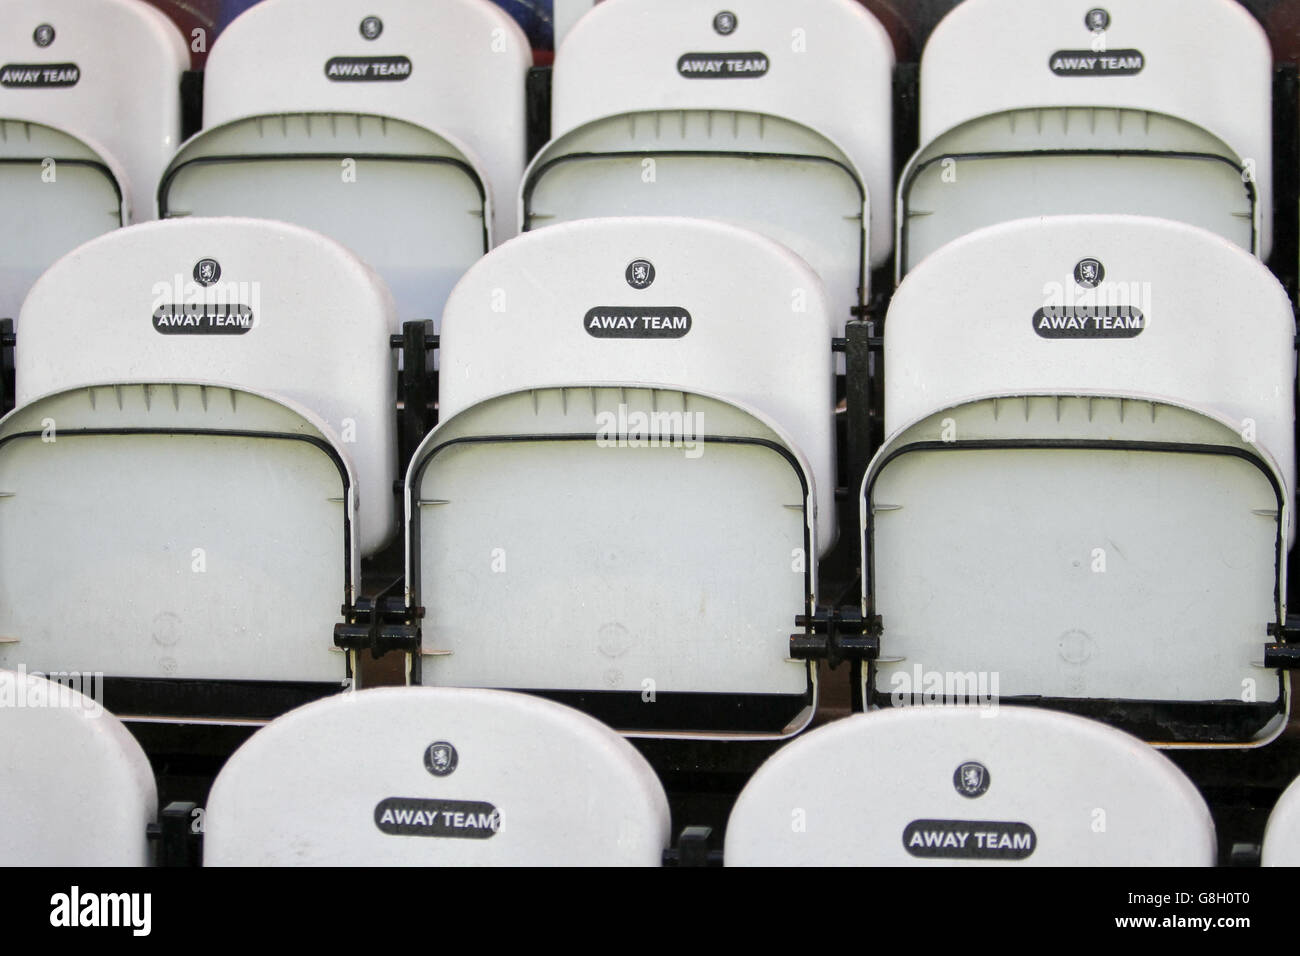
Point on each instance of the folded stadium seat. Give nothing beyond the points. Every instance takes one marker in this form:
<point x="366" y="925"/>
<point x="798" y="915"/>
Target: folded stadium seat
<point x="75" y="787"/>
<point x="769" y="115"/>
<point x="622" y="505"/>
<point x="1086" y="495"/>
<point x="207" y="459"/>
<point x="203" y="540"/>
<point x="1151" y="107"/>
<point x="968" y="786"/>
<point x="83" y="138"/>
<point x="451" y="778"/>
<point x="1282" y="835"/>
<point x="398" y="129"/>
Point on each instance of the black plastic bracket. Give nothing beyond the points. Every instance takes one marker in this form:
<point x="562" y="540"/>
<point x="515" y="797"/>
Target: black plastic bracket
<point x="178" y="837"/>
<point x="693" y="849"/>
<point x="1244" y="855"/>
<point x="1286" y="177"/>
<point x="1282" y="656"/>
<point x="1285" y="654"/>
<point x="383" y="623"/>
<point x="835" y="635"/>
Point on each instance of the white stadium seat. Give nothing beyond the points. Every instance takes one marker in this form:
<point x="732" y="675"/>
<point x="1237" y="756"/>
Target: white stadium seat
<point x="204" y="446"/>
<point x="105" y="71"/>
<point x="622" y="504"/>
<point x="83" y="138"/>
<point x="759" y="327"/>
<point x="202" y="537"/>
<point x="282" y="310"/>
<point x="967" y="786"/>
<point x="1151" y="107"/>
<point x="1092" y="460"/>
<point x="666" y="107"/>
<point x="398" y="129"/>
<point x="75" y="787"/>
<point x="449" y="778"/>
<point x="1281" y="845"/>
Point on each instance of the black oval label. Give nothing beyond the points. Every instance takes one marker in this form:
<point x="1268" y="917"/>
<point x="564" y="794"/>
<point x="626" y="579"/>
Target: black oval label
<point x="1089" y="322"/>
<point x="202" y="318"/>
<point x="719" y="66"/>
<point x="1092" y="63"/>
<point x="368" y="69"/>
<point x="457" y="819"/>
<point x="624" y="322"/>
<point x="36" y="75"/>
<point x="969" y="840"/>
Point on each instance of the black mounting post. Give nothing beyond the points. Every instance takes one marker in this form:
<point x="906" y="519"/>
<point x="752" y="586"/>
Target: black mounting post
<point x="860" y="402"/>
<point x="1286" y="177"/>
<point x="7" y="343"/>
<point x="178" y="838"/>
<point x="418" y="386"/>
<point x="693" y="849"/>
<point x="191" y="103"/>
<point x="537" y="93"/>
<point x="1286" y="227"/>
